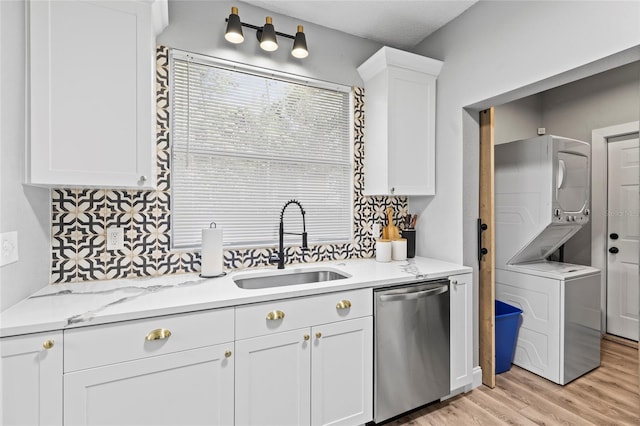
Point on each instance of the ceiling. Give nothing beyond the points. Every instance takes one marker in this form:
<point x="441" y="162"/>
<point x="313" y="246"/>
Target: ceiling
<point x="396" y="23"/>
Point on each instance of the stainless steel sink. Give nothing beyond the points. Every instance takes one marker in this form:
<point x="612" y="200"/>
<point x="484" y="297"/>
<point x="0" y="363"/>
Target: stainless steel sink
<point x="280" y="279"/>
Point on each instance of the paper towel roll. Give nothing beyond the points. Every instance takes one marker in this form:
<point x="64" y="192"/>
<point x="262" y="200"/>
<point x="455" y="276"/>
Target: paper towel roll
<point x="211" y="254"/>
<point x="399" y="249"/>
<point x="383" y="251"/>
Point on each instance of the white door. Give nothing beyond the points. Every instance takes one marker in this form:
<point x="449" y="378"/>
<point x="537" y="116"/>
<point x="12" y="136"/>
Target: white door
<point x="273" y="375"/>
<point x="193" y="387"/>
<point x="341" y="373"/>
<point x="622" y="239"/>
<point x="31" y="379"/>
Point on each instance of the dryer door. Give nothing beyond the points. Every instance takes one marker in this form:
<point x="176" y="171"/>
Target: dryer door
<point x="572" y="182"/>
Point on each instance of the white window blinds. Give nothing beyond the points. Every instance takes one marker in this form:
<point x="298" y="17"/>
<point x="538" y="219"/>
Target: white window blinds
<point x="243" y="144"/>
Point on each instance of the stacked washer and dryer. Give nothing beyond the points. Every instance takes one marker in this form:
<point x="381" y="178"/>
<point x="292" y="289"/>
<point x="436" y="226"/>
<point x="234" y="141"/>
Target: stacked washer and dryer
<point x="542" y="198"/>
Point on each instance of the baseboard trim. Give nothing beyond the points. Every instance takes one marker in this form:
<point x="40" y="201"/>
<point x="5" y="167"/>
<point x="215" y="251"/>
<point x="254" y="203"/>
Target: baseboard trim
<point x="477" y="377"/>
<point x="621" y="340"/>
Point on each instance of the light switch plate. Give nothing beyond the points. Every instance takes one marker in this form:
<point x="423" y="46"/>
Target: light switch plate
<point x="8" y="248"/>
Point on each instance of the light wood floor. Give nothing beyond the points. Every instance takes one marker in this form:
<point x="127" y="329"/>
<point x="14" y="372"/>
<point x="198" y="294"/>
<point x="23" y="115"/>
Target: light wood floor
<point x="606" y="396"/>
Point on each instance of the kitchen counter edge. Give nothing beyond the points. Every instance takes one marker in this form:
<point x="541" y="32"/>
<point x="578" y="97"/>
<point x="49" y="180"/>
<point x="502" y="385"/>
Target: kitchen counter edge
<point x="66" y="306"/>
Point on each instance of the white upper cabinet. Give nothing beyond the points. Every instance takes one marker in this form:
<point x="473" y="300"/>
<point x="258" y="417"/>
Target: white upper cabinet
<point x="92" y="92"/>
<point x="400" y="100"/>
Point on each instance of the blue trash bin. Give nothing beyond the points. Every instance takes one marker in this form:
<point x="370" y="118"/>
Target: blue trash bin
<point x="508" y="319"/>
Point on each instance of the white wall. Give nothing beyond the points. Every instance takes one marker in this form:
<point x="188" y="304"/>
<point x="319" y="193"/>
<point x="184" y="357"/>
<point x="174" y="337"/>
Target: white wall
<point x="494" y="53"/>
<point x="22" y="208"/>
<point x="198" y="26"/>
<point x="574" y="110"/>
<point x="517" y="120"/>
<point x="603" y="100"/>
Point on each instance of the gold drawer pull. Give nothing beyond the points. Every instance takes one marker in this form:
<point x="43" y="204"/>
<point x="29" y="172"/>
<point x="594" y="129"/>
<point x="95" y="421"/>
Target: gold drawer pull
<point x="318" y="335"/>
<point x="48" y="344"/>
<point x="343" y="304"/>
<point x="158" y="334"/>
<point x="227" y="354"/>
<point x="306" y="337"/>
<point x="275" y="315"/>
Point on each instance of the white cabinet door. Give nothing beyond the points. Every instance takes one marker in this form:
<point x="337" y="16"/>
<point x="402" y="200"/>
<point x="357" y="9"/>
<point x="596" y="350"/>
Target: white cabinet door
<point x="92" y="87"/>
<point x="411" y="151"/>
<point x="273" y="379"/>
<point x="31" y="378"/>
<point x="342" y="373"/>
<point x="400" y="101"/>
<point x="461" y="331"/>
<point x="193" y="387"/>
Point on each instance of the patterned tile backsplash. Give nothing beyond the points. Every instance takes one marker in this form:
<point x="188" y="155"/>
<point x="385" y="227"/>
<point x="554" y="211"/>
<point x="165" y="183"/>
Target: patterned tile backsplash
<point x="80" y="218"/>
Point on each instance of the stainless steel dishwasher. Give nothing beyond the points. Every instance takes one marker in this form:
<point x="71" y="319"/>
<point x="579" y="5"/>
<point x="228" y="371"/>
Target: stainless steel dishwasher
<point x="411" y="347"/>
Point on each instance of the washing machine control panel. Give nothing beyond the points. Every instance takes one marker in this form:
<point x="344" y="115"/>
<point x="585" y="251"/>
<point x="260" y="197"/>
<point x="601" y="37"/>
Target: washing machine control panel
<point x="570" y="217"/>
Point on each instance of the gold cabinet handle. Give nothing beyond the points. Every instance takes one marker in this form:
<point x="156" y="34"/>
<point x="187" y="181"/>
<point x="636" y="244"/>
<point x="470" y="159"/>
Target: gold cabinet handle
<point x="158" y="334"/>
<point x="343" y="304"/>
<point x="227" y="354"/>
<point x="48" y="344"/>
<point x="306" y="337"/>
<point x="318" y="335"/>
<point x="275" y="315"/>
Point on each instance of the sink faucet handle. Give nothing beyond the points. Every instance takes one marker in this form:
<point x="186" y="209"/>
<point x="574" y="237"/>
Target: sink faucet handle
<point x="274" y="258"/>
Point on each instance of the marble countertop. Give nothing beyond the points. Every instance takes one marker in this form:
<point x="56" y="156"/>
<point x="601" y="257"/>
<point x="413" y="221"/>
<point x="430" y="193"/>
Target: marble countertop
<point x="63" y="306"/>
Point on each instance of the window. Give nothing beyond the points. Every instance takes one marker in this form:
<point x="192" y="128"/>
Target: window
<point x="245" y="141"/>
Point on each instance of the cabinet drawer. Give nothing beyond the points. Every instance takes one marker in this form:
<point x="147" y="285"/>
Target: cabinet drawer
<point x="252" y="320"/>
<point x="107" y="344"/>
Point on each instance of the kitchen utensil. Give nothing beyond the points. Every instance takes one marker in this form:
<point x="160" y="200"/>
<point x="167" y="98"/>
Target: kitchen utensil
<point x="390" y="232"/>
<point x="413" y="221"/>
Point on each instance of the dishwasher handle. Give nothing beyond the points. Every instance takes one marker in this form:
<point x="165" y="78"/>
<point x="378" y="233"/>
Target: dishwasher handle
<point x="414" y="295"/>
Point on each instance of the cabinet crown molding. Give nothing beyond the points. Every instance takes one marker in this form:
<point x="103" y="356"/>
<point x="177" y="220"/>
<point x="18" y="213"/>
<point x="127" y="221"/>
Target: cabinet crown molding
<point x="390" y="57"/>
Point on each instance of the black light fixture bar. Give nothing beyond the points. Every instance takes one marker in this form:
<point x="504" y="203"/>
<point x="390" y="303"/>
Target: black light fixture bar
<point x="257" y="28"/>
<point x="267" y="35"/>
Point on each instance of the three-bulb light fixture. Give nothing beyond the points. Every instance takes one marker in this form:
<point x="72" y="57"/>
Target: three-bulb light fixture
<point x="266" y="35"/>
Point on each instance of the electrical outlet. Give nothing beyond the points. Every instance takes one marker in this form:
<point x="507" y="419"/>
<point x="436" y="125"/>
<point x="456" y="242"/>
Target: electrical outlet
<point x="8" y="248"/>
<point x="115" y="239"/>
<point x="376" y="230"/>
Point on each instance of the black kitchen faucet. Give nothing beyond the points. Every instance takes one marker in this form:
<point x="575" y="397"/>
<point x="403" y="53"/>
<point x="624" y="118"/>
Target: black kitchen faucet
<point x="279" y="258"/>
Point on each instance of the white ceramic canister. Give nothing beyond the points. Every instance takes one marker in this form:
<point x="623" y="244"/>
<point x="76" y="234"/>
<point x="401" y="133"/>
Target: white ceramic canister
<point x="383" y="250"/>
<point x="399" y="249"/>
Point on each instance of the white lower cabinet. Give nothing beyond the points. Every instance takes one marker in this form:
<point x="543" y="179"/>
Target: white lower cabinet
<point x="169" y="370"/>
<point x="342" y="373"/>
<point x="31" y="379"/>
<point x="461" y="297"/>
<point x="321" y="374"/>
<point x="273" y="379"/>
<point x="298" y="361"/>
<point x="193" y="387"/>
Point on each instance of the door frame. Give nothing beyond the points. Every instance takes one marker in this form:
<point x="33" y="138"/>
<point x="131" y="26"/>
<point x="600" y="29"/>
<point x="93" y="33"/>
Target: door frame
<point x="599" y="182"/>
<point x="486" y="262"/>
